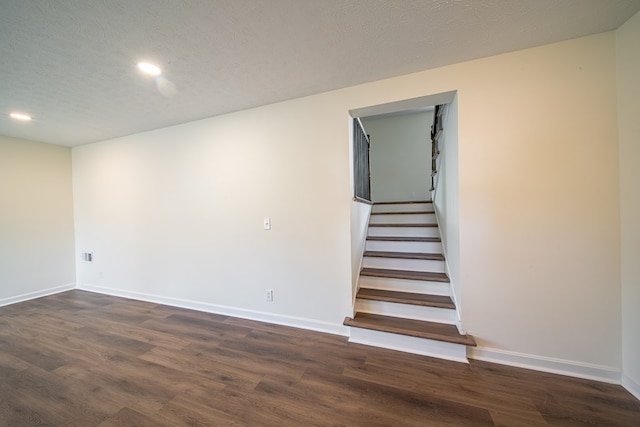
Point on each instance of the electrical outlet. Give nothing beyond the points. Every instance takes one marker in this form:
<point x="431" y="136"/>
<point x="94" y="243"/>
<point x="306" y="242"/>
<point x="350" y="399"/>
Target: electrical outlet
<point x="267" y="224"/>
<point x="87" y="256"/>
<point x="269" y="295"/>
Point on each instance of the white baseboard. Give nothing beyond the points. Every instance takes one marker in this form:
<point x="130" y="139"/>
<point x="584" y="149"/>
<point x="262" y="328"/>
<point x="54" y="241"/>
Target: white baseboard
<point x="278" y="319"/>
<point x="631" y="385"/>
<point x="570" y="368"/>
<point x="37" y="294"/>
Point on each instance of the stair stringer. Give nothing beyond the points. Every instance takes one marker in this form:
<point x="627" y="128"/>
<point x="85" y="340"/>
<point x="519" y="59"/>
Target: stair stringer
<point x="361" y="258"/>
<point x="452" y="292"/>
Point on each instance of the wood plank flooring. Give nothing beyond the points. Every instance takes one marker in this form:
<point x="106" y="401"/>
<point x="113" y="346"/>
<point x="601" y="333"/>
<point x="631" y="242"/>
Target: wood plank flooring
<point x="84" y="359"/>
<point x="414" y="328"/>
<point x="403" y="239"/>
<point x="405" y="255"/>
<point x="403" y="213"/>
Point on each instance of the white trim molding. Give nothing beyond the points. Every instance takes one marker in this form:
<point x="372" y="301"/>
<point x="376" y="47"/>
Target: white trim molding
<point x="631" y="385"/>
<point x="452" y="293"/>
<point x="278" y="319"/>
<point x="552" y="365"/>
<point x="408" y="344"/>
<point x="37" y="294"/>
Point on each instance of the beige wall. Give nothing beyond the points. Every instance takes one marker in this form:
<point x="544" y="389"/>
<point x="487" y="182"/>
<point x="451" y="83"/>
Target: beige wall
<point x="628" y="61"/>
<point x="36" y="220"/>
<point x="539" y="202"/>
<point x="177" y="213"/>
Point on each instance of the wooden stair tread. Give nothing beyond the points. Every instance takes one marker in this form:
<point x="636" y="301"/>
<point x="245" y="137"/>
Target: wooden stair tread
<point x="405" y="255"/>
<point x="403" y="213"/>
<point x="408" y="202"/>
<point x="403" y="239"/>
<point x="425" y="300"/>
<point x="404" y="225"/>
<point x="410" y="327"/>
<point x="405" y="274"/>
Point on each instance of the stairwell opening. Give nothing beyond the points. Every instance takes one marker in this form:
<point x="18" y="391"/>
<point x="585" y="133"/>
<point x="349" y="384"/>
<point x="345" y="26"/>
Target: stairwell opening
<point x="401" y="291"/>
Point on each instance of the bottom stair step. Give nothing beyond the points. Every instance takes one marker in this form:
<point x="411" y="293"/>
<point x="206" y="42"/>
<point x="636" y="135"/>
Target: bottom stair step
<point x="414" y="328"/>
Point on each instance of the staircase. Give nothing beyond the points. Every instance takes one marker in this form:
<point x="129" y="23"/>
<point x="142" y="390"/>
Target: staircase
<point x="403" y="301"/>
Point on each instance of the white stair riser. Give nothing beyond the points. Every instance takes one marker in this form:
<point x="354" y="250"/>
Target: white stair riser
<point x="403" y="219"/>
<point x="404" y="231"/>
<point x="407" y="311"/>
<point x="406" y="207"/>
<point x="425" y="347"/>
<point x="402" y="285"/>
<point x="385" y="246"/>
<point x="404" y="264"/>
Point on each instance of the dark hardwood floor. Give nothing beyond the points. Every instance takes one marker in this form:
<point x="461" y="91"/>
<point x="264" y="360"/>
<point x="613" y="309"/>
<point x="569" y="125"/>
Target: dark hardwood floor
<point x="84" y="359"/>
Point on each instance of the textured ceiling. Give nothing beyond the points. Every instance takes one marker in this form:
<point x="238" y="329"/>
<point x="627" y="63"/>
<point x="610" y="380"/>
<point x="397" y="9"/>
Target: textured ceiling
<point x="71" y="63"/>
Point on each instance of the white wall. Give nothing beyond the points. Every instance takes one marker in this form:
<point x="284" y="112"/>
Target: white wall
<point x="400" y="156"/>
<point x="178" y="212"/>
<point x="446" y="198"/>
<point x="36" y="220"/>
<point x="539" y="232"/>
<point x="628" y="62"/>
<point x="360" y="212"/>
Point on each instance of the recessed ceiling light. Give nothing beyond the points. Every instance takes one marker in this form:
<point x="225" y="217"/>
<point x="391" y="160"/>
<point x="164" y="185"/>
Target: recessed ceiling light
<point x="147" y="68"/>
<point x="20" y="116"/>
